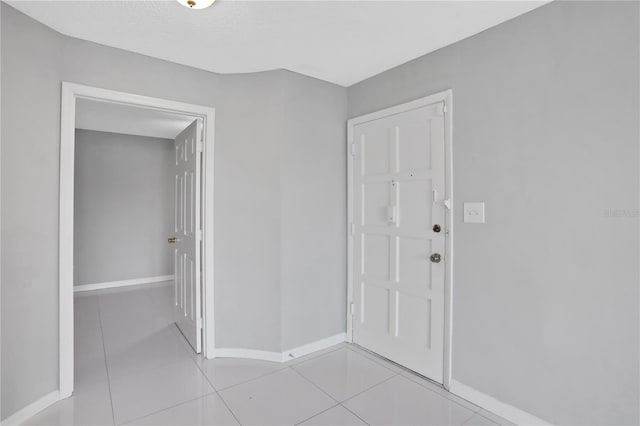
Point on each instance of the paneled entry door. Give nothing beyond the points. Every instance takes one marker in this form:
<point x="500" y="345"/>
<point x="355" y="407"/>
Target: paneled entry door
<point x="187" y="239"/>
<point x="399" y="236"/>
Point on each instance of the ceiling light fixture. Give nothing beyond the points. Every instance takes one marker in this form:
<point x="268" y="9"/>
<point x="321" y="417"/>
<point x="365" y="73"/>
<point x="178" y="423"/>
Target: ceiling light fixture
<point x="196" y="4"/>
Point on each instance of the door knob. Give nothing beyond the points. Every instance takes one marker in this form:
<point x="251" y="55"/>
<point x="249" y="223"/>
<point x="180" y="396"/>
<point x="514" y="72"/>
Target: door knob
<point x="436" y="228"/>
<point x="435" y="258"/>
<point x="172" y="240"/>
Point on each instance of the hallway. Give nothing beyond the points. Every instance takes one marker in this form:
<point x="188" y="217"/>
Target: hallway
<point x="133" y="366"/>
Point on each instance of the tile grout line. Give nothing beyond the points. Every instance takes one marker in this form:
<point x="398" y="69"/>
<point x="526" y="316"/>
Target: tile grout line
<point x="360" y="393"/>
<point x="284" y="367"/>
<point x="369" y="388"/>
<point x="315" y="385"/>
<point x="228" y="408"/>
<point x="323" y="391"/>
<point x="413" y="374"/>
<point x="349" y="410"/>
<point x="395" y="374"/>
<point x="251" y="380"/>
<point x="189" y="400"/>
<point x="215" y="390"/>
<point x="317" y="414"/>
<point x="106" y="364"/>
<point x="341" y="402"/>
<point x="164" y="409"/>
<point x="283" y="364"/>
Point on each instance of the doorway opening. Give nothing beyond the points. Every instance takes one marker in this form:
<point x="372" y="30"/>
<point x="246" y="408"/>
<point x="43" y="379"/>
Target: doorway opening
<point x="188" y="158"/>
<point x="400" y="252"/>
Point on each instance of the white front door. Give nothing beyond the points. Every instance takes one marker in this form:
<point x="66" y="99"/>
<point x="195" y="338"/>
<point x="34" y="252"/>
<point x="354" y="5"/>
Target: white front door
<point x="399" y="237"/>
<point x="188" y="233"/>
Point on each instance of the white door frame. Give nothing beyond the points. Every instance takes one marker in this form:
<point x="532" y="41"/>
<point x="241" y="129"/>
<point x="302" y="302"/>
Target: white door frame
<point x="70" y="93"/>
<point x="446" y="97"/>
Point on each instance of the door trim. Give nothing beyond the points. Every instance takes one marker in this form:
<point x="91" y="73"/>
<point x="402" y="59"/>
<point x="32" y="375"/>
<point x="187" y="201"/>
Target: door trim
<point x="122" y="283"/>
<point x="70" y="93"/>
<point x="446" y="97"/>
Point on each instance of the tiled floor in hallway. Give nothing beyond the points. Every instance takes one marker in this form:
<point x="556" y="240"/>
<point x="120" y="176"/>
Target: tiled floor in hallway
<point x="134" y="367"/>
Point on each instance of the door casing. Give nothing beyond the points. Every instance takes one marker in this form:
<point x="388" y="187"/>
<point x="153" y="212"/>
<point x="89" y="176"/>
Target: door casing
<point x="446" y="97"/>
<point x="70" y="93"/>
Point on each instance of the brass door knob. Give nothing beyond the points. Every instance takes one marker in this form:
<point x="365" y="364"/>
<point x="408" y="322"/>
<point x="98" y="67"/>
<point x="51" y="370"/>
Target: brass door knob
<point x="172" y="240"/>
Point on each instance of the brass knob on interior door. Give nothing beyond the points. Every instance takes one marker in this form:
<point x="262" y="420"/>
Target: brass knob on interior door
<point x="172" y="240"/>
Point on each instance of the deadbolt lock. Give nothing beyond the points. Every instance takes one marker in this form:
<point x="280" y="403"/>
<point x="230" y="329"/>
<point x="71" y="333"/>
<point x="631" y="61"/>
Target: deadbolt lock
<point x="436" y="228"/>
<point x="172" y="240"/>
<point x="435" y="258"/>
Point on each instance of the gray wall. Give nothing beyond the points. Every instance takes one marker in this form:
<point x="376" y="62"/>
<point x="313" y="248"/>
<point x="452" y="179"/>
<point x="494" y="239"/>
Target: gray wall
<point x="31" y="75"/>
<point x="123" y="207"/>
<point x="247" y="250"/>
<point x="546" y="123"/>
<point x="254" y="249"/>
<point x="312" y="208"/>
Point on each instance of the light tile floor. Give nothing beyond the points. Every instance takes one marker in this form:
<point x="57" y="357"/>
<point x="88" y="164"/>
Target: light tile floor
<point x="134" y="367"/>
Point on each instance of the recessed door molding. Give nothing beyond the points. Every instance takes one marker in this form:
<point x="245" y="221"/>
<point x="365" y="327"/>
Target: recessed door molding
<point x="443" y="98"/>
<point x="70" y="94"/>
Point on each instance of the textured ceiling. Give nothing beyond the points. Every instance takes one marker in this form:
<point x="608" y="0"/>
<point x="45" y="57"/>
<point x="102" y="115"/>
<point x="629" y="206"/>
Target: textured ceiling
<point x="343" y="42"/>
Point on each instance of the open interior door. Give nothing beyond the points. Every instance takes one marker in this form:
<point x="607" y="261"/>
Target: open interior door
<point x="188" y="235"/>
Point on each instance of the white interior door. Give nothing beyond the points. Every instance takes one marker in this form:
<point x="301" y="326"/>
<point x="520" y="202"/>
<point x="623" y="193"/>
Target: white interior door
<point x="399" y="238"/>
<point x="188" y="235"/>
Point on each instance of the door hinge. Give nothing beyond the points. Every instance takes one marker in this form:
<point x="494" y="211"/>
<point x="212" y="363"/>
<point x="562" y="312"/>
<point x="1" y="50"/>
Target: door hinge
<point x="199" y="323"/>
<point x="352" y="229"/>
<point x="353" y="148"/>
<point x="199" y="234"/>
<point x="351" y="308"/>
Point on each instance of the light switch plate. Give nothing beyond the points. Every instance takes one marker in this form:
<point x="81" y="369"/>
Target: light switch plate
<point x="473" y="212"/>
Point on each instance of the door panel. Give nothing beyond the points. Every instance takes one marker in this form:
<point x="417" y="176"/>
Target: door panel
<point x="415" y="201"/>
<point x="398" y="182"/>
<point x="414" y="153"/>
<point x="376" y="199"/>
<point x="188" y="289"/>
<point x="375" y="152"/>
<point x="375" y="304"/>
<point x="414" y="267"/>
<point x="414" y="316"/>
<point x="376" y="257"/>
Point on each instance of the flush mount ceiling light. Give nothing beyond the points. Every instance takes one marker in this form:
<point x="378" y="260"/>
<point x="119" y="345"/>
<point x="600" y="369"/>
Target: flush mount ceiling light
<point x="196" y="4"/>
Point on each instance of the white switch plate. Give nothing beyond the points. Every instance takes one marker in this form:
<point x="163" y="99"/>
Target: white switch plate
<point x="473" y="212"/>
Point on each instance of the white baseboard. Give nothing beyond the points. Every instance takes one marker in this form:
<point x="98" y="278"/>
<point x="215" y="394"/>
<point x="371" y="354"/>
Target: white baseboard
<point x="281" y="356"/>
<point x="313" y="347"/>
<point x="500" y="408"/>
<point x="32" y="409"/>
<point x="248" y="353"/>
<point x="123" y="283"/>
